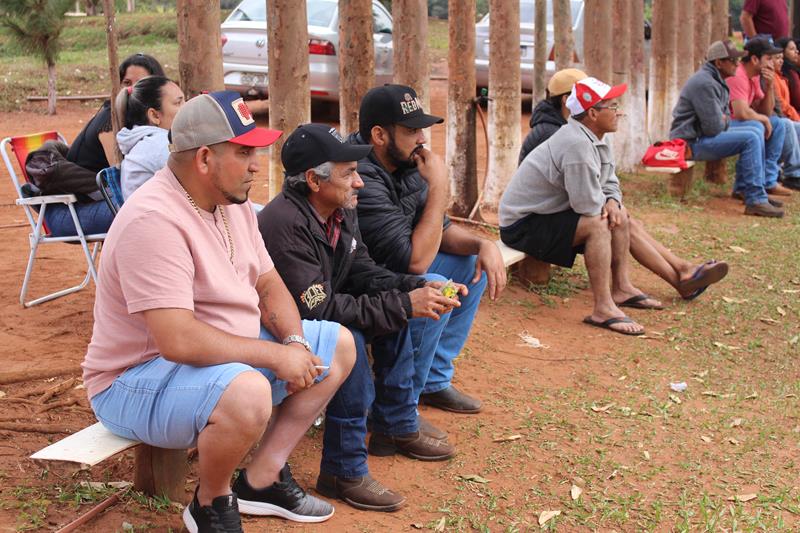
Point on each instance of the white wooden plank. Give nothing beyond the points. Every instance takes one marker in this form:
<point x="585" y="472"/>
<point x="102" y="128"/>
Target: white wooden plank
<point x="88" y="446"/>
<point x="510" y="255"/>
<point x="669" y="170"/>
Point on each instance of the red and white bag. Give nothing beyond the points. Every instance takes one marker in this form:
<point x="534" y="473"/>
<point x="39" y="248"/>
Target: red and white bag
<point x="666" y="154"/>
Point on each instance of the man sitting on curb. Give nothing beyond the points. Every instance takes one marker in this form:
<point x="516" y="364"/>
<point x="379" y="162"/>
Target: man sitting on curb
<point x="311" y="232"/>
<point x="551" y="113"/>
<point x="565" y="199"/>
<point x="195" y="335"/>
<point x="702" y="118"/>
<point x="401" y="213"/>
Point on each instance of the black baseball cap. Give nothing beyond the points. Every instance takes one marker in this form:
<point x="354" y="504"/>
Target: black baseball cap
<point x="761" y="46"/>
<point x="393" y="104"/>
<point x="313" y="144"/>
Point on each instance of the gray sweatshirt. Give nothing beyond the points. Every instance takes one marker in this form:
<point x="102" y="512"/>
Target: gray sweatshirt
<point x="573" y="169"/>
<point x="702" y="109"/>
<point x="146" y="150"/>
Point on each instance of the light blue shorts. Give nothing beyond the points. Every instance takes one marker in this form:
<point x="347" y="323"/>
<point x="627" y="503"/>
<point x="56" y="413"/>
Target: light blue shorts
<point x="168" y="404"/>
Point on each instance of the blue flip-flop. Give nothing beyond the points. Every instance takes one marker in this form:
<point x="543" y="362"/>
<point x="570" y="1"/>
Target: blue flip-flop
<point x="704" y="277"/>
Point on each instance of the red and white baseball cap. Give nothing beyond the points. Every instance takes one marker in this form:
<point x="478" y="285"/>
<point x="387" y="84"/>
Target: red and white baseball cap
<point x="589" y="92"/>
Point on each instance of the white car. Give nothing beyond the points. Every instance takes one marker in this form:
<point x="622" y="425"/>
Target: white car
<point x="244" y="48"/>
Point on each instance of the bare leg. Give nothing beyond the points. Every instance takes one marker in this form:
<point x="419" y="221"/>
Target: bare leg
<point x="296" y="414"/>
<point x="621" y="287"/>
<point x="594" y="234"/>
<point x="234" y="426"/>
<point x="656" y="257"/>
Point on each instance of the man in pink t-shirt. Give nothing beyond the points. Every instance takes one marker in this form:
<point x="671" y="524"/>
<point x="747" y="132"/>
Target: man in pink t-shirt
<point x="187" y="315"/>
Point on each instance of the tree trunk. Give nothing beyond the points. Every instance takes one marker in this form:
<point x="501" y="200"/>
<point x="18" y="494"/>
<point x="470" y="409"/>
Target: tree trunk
<point x="113" y="72"/>
<point x="685" y="44"/>
<point x="131" y="6"/>
<point x="564" y="44"/>
<point x="662" y="69"/>
<point x="199" y="50"/>
<point x="461" y="151"/>
<point x="598" y="39"/>
<point x="702" y="31"/>
<point x="504" y="109"/>
<point x="630" y="144"/>
<point x="539" y="50"/>
<point x="356" y="60"/>
<point x="289" y="92"/>
<point x="410" y="41"/>
<point x="720" y="20"/>
<point x="51" y="88"/>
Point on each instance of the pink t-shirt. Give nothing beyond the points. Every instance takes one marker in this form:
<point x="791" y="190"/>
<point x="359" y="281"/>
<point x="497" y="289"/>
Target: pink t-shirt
<point x="161" y="253"/>
<point x="744" y="88"/>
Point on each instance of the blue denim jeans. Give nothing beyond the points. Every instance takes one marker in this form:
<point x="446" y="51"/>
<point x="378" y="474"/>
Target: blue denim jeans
<point x="95" y="217"/>
<point x="790" y="155"/>
<point x="745" y="138"/>
<point x="420" y="358"/>
<point x="344" y="448"/>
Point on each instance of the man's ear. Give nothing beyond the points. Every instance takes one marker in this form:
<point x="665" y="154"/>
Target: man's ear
<point x="312" y="180"/>
<point x="378" y="136"/>
<point x="202" y="157"/>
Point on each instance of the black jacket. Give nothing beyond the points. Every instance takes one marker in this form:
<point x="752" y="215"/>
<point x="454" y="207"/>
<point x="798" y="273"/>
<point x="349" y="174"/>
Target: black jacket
<point x="50" y="171"/>
<point x="343" y="285"/>
<point x="545" y="121"/>
<point x="389" y="207"/>
<point x="86" y="150"/>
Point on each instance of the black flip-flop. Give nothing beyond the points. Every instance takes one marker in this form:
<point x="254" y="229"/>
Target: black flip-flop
<point x="610" y="322"/>
<point x="704" y="277"/>
<point x="636" y="302"/>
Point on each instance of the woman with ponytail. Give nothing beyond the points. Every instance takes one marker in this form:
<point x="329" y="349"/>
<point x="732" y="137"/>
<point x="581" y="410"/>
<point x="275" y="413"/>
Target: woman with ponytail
<point x="146" y="111"/>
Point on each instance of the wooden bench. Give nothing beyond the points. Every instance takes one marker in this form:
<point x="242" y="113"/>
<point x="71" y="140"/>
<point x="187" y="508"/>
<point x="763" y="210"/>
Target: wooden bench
<point x="681" y="180"/>
<point x="528" y="269"/>
<point x="158" y="471"/>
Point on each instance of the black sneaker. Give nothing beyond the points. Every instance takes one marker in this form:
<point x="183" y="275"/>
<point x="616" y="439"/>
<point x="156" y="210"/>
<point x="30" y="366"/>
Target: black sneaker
<point x="284" y="498"/>
<point x="222" y="516"/>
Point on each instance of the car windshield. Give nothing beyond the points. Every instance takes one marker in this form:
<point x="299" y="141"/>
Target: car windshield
<point x="320" y="12"/>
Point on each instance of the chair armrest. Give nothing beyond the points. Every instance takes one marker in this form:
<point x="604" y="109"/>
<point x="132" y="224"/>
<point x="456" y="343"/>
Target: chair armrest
<point x="49" y="199"/>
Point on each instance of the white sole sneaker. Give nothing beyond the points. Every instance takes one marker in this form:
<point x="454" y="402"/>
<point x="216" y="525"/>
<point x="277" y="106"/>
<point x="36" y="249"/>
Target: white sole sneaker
<point x="188" y="521"/>
<point x="268" y="509"/>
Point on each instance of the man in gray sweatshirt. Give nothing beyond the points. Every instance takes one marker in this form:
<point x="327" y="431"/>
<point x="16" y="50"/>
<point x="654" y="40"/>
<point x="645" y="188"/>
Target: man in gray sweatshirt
<point x="565" y="199"/>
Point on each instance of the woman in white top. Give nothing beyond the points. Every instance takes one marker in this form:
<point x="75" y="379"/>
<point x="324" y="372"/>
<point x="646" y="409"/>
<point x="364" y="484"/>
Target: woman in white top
<point x="146" y="110"/>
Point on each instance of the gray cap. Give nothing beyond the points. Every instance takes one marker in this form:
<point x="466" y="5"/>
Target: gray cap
<point x="723" y="50"/>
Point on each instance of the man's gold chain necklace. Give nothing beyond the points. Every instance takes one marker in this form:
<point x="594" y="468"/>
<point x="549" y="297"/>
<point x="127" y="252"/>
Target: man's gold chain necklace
<point x="224" y="220"/>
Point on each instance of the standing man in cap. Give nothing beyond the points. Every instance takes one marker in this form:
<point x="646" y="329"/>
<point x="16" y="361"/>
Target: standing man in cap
<point x="311" y="232"/>
<point x="565" y="199"/>
<point x="552" y="112"/>
<point x="401" y="212"/>
<point x="195" y="335"/>
<point x="702" y="117"/>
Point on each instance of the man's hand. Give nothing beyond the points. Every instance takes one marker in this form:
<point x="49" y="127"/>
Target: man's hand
<point x="768" y="75"/>
<point x="767" y="126"/>
<point x="490" y="260"/>
<point x="429" y="302"/>
<point x="613" y="212"/>
<point x="431" y="167"/>
<point x="298" y="368"/>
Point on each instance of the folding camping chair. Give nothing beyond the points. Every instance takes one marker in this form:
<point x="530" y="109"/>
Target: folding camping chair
<point x="108" y="181"/>
<point x="35" y="207"/>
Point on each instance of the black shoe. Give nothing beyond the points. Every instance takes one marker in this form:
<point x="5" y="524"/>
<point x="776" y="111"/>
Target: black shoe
<point x="792" y="183"/>
<point x="453" y="400"/>
<point x="222" y="516"/>
<point x="283" y="498"/>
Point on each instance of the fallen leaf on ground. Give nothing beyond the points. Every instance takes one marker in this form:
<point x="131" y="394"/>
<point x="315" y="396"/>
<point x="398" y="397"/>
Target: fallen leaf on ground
<point x="613" y="475"/>
<point x="603" y="409"/>
<point x="705" y="439"/>
<point x="508" y="438"/>
<point x="474" y="478"/>
<point x="2" y="394"/>
<point x="733" y="441"/>
<point x="417" y="526"/>
<point x="751" y="396"/>
<point x="742" y="497"/>
<point x="736" y="422"/>
<point x="760" y="278"/>
<point x="781" y="311"/>
<point x="440" y="526"/>
<point x="794" y="340"/>
<point x="647" y="455"/>
<point x="710" y="393"/>
<point x="771" y="321"/>
<point x="674" y="398"/>
<point x="575" y="492"/>
<point x="728" y="300"/>
<point x="790" y="291"/>
<point x="738" y="249"/>
<point x="725" y="346"/>
<point x="546" y="516"/>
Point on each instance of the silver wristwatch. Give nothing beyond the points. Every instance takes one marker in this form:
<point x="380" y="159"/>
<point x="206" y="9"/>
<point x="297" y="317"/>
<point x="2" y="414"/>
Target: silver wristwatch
<point x="299" y="340"/>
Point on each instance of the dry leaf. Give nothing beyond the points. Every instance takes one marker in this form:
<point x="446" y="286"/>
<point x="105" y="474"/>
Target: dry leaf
<point x="508" y="438"/>
<point x="790" y="291"/>
<point x="728" y="300"/>
<point x="417" y="526"/>
<point x="738" y="249"/>
<point x="752" y="396"/>
<point x="647" y="455"/>
<point x="575" y="492"/>
<point x="794" y="340"/>
<point x="613" y="475"/>
<point x="742" y="497"/>
<point x="674" y="398"/>
<point x="546" y="516"/>
<point x="770" y="321"/>
<point x="733" y="441"/>
<point x="440" y="526"/>
<point x="2" y="394"/>
<point x="603" y="409"/>
<point x="474" y="478"/>
<point x="705" y="439"/>
<point x="780" y="310"/>
<point x="710" y="393"/>
<point x="760" y="278"/>
<point x="736" y="422"/>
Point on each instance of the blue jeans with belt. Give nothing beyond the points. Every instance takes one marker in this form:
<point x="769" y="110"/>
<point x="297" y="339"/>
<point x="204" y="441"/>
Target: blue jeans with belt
<point x="419" y="360"/>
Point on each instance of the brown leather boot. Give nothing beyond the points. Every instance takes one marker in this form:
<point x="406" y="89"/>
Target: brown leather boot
<point x="426" y="428"/>
<point x="415" y="445"/>
<point x="363" y="493"/>
<point x="763" y="210"/>
<point x="453" y="400"/>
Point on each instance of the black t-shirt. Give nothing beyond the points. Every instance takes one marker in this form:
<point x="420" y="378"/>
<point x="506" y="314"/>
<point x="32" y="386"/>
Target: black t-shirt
<point x="86" y="150"/>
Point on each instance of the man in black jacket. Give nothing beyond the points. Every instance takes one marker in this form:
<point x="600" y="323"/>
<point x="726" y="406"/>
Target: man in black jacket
<point x="401" y="212"/>
<point x="311" y="232"/>
<point x="551" y="113"/>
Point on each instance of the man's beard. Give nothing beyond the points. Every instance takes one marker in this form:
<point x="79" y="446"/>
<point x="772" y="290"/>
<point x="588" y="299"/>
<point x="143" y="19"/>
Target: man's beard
<point x="397" y="157"/>
<point x="229" y="196"/>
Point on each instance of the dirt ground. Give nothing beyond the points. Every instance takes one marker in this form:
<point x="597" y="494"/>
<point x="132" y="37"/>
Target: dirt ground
<point x="590" y="409"/>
